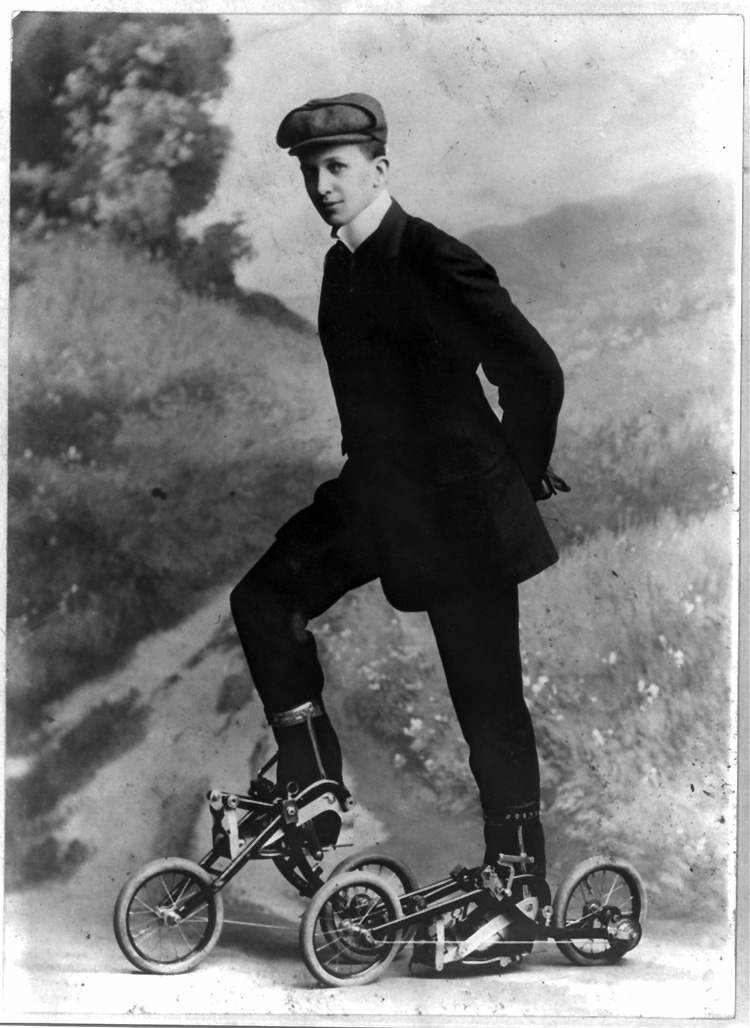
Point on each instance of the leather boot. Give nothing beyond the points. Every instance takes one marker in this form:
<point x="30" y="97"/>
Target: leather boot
<point x="520" y="831"/>
<point x="309" y="750"/>
<point x="308" y="746"/>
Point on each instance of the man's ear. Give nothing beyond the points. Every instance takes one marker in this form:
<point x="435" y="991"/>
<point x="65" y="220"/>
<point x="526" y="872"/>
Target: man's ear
<point x="382" y="166"/>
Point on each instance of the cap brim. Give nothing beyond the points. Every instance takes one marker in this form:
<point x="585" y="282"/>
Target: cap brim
<point x="351" y="137"/>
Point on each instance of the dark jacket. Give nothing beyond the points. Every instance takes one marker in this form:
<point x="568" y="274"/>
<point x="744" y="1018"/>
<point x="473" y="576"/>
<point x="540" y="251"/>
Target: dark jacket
<point x="443" y="489"/>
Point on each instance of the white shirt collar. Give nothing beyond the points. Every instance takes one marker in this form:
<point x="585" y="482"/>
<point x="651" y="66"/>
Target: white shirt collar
<point x="363" y="226"/>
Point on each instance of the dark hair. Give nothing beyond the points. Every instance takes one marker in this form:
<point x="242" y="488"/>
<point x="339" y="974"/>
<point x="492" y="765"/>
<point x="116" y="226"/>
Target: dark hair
<point x="372" y="149"/>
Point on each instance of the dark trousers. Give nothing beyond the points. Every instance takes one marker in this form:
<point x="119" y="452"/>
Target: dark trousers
<point x="477" y="635"/>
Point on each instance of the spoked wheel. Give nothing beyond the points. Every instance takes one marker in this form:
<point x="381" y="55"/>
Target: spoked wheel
<point x="601" y="893"/>
<point x="339" y="944"/>
<point x="166" y="920"/>
<point x="390" y="869"/>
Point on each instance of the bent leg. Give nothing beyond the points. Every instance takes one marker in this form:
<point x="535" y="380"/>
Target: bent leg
<point x="272" y="606"/>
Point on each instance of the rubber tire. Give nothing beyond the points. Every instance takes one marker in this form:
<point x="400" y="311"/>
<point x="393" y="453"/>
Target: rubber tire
<point x="370" y="858"/>
<point x="566" y="890"/>
<point x="310" y="921"/>
<point x="215" y="905"/>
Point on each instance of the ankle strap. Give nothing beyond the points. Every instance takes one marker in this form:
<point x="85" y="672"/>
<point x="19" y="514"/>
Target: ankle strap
<point x="296" y="715"/>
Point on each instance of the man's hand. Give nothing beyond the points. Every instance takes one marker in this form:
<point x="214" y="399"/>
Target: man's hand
<point x="551" y="485"/>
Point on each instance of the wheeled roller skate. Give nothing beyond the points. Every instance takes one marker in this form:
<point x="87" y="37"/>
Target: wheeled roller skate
<point x="355" y="924"/>
<point x="169" y="915"/>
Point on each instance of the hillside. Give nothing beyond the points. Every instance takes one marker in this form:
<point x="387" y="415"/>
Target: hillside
<point x="635" y="293"/>
<point x="157" y="440"/>
<point x="637" y="260"/>
<point x="637" y="296"/>
<point x="202" y="725"/>
<point x="632" y="718"/>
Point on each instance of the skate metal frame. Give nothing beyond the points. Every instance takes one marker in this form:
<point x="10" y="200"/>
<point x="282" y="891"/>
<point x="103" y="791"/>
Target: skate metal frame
<point x="250" y="827"/>
<point x="469" y="884"/>
<point x="484" y="915"/>
<point x="438" y="919"/>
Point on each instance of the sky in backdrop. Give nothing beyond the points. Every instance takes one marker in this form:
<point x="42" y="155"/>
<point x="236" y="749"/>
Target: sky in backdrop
<point x="492" y="118"/>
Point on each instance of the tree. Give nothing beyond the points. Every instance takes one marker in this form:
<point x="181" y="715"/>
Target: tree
<point x="207" y="265"/>
<point x="111" y="121"/>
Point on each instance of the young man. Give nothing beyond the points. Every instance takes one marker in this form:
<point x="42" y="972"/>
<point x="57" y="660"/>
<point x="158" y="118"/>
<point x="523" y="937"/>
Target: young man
<point x="437" y="495"/>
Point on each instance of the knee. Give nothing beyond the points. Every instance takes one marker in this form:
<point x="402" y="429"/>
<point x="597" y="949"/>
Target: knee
<point x="245" y="597"/>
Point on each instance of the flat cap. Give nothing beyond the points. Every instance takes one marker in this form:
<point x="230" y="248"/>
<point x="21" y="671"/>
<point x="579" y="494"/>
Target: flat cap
<point x="351" y="118"/>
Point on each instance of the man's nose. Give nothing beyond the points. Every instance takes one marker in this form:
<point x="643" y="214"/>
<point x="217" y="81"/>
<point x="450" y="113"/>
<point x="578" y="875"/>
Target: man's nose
<point x="324" y="183"/>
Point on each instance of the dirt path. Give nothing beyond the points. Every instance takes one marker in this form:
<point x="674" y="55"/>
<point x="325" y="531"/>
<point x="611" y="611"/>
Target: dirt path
<point x="60" y="954"/>
<point x="257" y="974"/>
<point x="204" y="727"/>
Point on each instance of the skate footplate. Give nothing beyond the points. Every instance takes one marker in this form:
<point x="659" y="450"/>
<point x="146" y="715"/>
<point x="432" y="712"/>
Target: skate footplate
<point x="267" y="825"/>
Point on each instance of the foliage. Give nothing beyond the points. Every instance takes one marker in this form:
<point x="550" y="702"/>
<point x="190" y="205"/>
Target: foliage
<point x="630" y="642"/>
<point x="630" y="469"/>
<point x="144" y="441"/>
<point x="125" y="98"/>
<point x="206" y="266"/>
<point x="46" y="48"/>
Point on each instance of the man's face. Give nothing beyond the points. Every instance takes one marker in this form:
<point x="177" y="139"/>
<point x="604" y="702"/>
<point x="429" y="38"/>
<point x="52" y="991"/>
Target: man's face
<point x="341" y="181"/>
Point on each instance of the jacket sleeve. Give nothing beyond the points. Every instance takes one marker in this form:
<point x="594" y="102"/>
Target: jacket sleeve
<point x="476" y="317"/>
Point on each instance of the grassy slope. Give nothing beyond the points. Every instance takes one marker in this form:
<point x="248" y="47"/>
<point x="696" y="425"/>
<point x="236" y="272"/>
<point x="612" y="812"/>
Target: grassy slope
<point x="157" y="440"/>
<point x="627" y="673"/>
<point x="636" y="294"/>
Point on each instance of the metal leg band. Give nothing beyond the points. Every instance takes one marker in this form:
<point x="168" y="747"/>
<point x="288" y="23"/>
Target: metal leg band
<point x="517" y="816"/>
<point x="295" y="716"/>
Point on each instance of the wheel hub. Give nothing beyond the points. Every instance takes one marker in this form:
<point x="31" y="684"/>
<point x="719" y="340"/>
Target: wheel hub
<point x="169" y="916"/>
<point x="625" y="933"/>
<point x="359" y="905"/>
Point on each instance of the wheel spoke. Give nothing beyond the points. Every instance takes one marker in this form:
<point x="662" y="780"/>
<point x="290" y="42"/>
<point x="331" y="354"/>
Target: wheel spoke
<point x="585" y="884"/>
<point x="148" y="930"/>
<point x="375" y="901"/>
<point x="166" y="889"/>
<point x="611" y="889"/>
<point x="185" y="886"/>
<point x="147" y="906"/>
<point x="619" y="888"/>
<point x="331" y="943"/>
